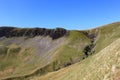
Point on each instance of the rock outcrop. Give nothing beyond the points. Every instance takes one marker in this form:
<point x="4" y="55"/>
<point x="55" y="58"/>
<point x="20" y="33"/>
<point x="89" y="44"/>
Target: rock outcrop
<point x="31" y="32"/>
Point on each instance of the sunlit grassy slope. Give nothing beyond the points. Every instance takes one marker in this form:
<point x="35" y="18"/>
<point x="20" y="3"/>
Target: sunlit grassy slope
<point x="104" y="65"/>
<point x="106" y="35"/>
<point x="24" y="57"/>
<point x="21" y="56"/>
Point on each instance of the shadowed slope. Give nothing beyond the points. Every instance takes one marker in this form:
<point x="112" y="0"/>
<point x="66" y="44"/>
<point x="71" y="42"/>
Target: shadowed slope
<point x="31" y="32"/>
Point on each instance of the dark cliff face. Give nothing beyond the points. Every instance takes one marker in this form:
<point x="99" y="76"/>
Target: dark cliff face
<point x="32" y="32"/>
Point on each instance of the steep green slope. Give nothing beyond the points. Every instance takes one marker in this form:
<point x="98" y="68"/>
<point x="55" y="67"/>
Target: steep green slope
<point x="28" y="56"/>
<point x="72" y="50"/>
<point x="106" y="35"/>
<point x="25" y="57"/>
<point x="104" y="65"/>
<point x="100" y="37"/>
<point x="103" y="35"/>
<point x="22" y="57"/>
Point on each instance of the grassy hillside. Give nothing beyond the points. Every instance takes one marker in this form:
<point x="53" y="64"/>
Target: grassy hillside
<point x="34" y="54"/>
<point x="25" y="57"/>
<point x="106" y="35"/>
<point x="104" y="65"/>
<point x="21" y="56"/>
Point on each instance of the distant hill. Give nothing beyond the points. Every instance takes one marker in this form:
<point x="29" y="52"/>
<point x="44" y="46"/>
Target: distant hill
<point x="28" y="53"/>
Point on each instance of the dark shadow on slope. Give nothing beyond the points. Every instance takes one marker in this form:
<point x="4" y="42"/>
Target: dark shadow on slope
<point x="31" y="32"/>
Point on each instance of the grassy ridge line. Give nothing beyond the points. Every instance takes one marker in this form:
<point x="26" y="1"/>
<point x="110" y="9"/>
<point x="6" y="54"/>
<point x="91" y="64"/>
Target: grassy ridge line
<point x="106" y="35"/>
<point x="104" y="65"/>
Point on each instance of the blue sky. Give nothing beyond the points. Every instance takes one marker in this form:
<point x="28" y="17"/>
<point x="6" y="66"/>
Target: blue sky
<point x="69" y="14"/>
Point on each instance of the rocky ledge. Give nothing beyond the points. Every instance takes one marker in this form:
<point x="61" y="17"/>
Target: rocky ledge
<point x="32" y="32"/>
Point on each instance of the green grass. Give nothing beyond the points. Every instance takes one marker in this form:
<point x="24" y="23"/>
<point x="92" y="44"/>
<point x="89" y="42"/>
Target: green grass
<point x="3" y="50"/>
<point x="25" y="61"/>
<point x="107" y="34"/>
<point x="74" y="46"/>
<point x="101" y="66"/>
